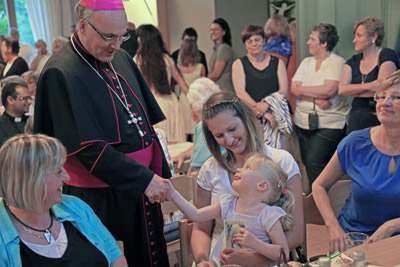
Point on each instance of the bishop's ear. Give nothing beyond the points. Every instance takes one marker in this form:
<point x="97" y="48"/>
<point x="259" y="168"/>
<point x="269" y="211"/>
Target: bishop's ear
<point x="262" y="186"/>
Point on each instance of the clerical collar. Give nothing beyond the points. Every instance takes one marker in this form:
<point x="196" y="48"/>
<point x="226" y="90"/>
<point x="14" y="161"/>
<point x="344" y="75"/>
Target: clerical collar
<point x="14" y="119"/>
<point x="82" y="50"/>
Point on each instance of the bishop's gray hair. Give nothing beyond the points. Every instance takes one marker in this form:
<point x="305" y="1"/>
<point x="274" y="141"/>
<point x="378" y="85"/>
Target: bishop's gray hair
<point x="82" y="12"/>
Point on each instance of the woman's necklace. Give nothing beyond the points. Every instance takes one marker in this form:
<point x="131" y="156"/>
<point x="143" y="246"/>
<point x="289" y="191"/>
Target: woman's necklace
<point x="132" y="117"/>
<point x="363" y="78"/>
<point x="46" y="232"/>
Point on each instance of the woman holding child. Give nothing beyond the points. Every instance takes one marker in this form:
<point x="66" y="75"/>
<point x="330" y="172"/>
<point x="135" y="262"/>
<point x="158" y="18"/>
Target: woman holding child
<point x="228" y="122"/>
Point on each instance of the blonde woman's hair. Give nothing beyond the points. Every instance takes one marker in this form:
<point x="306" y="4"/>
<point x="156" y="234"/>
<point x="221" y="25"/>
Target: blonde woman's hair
<point x="276" y="26"/>
<point x="25" y="161"/>
<point x="188" y="53"/>
<point x="392" y="80"/>
<point x="373" y="25"/>
<point x="226" y="101"/>
<point x="277" y="178"/>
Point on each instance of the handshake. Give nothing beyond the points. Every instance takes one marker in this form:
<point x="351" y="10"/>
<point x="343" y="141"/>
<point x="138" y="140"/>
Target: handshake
<point x="159" y="190"/>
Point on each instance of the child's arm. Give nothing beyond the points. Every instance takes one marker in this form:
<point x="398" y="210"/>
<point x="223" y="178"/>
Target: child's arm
<point x="196" y="215"/>
<point x="270" y="251"/>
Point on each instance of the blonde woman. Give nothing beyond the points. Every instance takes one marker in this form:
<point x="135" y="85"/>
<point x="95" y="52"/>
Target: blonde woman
<point x="39" y="225"/>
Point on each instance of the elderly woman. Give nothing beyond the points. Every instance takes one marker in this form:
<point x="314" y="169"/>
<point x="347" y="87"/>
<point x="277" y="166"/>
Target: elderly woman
<point x="228" y="122"/>
<point x="222" y="57"/>
<point x="58" y="42"/>
<point x="15" y="65"/>
<point x="315" y="86"/>
<point x="371" y="157"/>
<point x="157" y="68"/>
<point x="199" y="91"/>
<point x="364" y="72"/>
<point x="39" y="226"/>
<point x="258" y="75"/>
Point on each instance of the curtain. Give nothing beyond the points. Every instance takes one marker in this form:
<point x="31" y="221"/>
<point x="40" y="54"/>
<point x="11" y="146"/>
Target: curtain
<point x="49" y="19"/>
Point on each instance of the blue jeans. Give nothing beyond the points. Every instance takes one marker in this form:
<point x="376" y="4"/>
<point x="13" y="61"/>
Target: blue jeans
<point x="317" y="147"/>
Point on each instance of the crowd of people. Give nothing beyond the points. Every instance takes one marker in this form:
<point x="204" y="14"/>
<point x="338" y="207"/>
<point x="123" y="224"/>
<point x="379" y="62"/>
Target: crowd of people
<point x="83" y="171"/>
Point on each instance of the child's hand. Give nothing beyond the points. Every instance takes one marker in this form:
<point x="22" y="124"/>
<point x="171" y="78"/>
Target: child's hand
<point x="171" y="190"/>
<point x="246" y="238"/>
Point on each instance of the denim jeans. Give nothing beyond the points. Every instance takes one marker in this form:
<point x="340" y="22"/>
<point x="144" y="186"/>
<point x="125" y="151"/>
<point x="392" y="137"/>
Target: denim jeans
<point x="317" y="147"/>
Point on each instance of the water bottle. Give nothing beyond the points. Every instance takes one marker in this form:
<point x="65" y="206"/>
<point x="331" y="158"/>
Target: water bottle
<point x="359" y="259"/>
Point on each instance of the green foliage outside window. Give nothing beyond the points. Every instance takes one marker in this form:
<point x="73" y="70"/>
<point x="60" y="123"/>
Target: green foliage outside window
<point x="24" y="25"/>
<point x="3" y="18"/>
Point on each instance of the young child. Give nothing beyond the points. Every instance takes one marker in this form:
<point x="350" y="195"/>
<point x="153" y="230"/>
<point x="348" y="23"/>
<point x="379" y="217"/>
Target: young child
<point x="263" y="204"/>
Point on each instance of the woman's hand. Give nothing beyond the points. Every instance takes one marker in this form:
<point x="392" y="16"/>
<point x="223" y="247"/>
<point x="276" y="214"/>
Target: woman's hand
<point x="260" y="108"/>
<point x="336" y="235"/>
<point x="323" y="103"/>
<point x="205" y="264"/>
<point x="271" y="119"/>
<point x="178" y="160"/>
<point x="246" y="238"/>
<point x="386" y="230"/>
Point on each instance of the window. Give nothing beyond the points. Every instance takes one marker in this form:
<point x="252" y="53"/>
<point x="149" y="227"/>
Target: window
<point x="3" y="18"/>
<point x="24" y="25"/>
<point x="21" y="13"/>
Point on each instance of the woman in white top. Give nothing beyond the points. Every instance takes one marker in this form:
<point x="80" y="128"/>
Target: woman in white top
<point x="191" y="69"/>
<point x="228" y="122"/>
<point x="315" y="86"/>
<point x="157" y="68"/>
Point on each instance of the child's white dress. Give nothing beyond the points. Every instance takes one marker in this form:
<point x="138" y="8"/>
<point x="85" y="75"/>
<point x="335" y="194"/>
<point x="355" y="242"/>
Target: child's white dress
<point x="258" y="225"/>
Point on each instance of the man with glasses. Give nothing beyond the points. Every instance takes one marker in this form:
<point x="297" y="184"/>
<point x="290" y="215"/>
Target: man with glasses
<point x="16" y="100"/>
<point x="93" y="98"/>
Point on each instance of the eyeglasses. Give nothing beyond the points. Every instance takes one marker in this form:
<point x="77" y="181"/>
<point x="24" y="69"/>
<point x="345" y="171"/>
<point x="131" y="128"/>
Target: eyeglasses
<point x="120" y="39"/>
<point x="26" y="98"/>
<point x="381" y="97"/>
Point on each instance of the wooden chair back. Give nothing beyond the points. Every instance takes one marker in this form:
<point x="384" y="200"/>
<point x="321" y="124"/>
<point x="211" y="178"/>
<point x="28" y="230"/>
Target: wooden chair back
<point x="316" y="240"/>
<point x="185" y="232"/>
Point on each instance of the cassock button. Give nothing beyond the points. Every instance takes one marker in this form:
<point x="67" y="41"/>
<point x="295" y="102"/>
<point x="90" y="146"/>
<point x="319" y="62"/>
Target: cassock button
<point x="154" y="253"/>
<point x="135" y="114"/>
<point x="152" y="242"/>
<point x="140" y="122"/>
<point x="150" y="223"/>
<point x="113" y="78"/>
<point x="152" y="232"/>
<point x="147" y="143"/>
<point x="123" y="96"/>
<point x="130" y="105"/>
<point x="144" y="132"/>
<point x="147" y="203"/>
<point x="107" y="70"/>
<point x="117" y="87"/>
<point x="148" y="213"/>
<point x="155" y="263"/>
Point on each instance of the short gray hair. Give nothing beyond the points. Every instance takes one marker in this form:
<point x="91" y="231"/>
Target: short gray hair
<point x="25" y="161"/>
<point x="82" y="12"/>
<point x="199" y="91"/>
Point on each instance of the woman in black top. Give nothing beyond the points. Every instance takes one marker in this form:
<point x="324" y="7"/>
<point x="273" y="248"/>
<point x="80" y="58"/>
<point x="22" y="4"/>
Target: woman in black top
<point x="363" y="73"/>
<point x="258" y="74"/>
<point x="15" y="65"/>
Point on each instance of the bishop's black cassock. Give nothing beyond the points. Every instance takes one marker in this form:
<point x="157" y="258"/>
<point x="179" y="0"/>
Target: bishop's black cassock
<point x="76" y="106"/>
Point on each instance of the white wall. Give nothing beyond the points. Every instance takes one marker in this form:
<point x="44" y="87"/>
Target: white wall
<point x="191" y="13"/>
<point x="138" y="13"/>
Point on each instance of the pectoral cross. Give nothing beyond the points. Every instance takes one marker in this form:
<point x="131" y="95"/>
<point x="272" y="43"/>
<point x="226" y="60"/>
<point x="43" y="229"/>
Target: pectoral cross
<point x="135" y="120"/>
